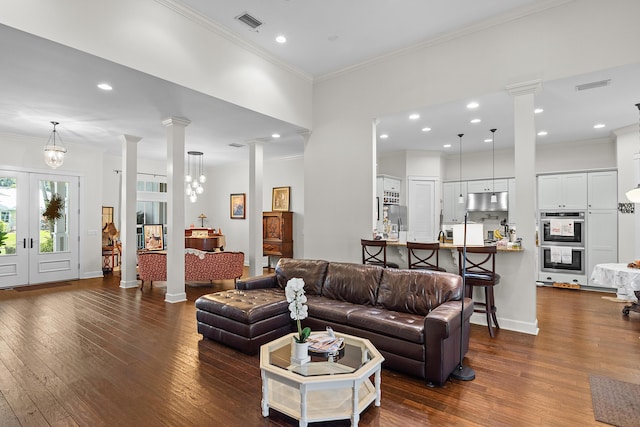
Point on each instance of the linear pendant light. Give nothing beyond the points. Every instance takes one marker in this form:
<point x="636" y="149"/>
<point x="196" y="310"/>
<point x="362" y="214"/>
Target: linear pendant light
<point x="460" y="198"/>
<point x="494" y="198"/>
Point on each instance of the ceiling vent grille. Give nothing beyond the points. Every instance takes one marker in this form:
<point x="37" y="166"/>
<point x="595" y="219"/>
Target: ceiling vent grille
<point x="593" y="85"/>
<point x="249" y="20"/>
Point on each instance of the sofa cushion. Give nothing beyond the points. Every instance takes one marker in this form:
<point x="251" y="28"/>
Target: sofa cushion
<point x="417" y="291"/>
<point x="409" y="327"/>
<point x="329" y="309"/>
<point x="355" y="283"/>
<point x="311" y="271"/>
<point x="245" y="306"/>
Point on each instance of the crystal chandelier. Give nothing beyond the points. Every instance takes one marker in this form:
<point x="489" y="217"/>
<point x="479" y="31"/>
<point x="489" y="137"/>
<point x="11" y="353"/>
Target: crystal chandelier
<point x="195" y="175"/>
<point x="53" y="152"/>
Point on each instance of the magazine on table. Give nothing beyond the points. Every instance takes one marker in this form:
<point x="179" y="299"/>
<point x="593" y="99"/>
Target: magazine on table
<point x="325" y="343"/>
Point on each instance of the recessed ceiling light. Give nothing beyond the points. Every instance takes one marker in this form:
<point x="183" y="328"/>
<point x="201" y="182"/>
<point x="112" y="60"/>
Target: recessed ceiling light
<point x="275" y="135"/>
<point x="538" y="110"/>
<point x="447" y="145"/>
<point x="474" y="121"/>
<point x="427" y="129"/>
<point x="542" y="133"/>
<point x="472" y="105"/>
<point x="599" y="126"/>
<point x="281" y="39"/>
<point x="414" y="116"/>
<point x="488" y="140"/>
<point x="384" y="136"/>
<point x="105" y="86"/>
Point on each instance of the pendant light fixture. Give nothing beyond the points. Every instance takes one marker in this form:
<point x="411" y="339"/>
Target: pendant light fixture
<point x="634" y="194"/>
<point x="195" y="175"/>
<point x="53" y="151"/>
<point x="460" y="198"/>
<point x="494" y="198"/>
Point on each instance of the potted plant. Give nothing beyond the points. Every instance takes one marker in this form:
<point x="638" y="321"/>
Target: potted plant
<point x="296" y="298"/>
<point x="3" y="235"/>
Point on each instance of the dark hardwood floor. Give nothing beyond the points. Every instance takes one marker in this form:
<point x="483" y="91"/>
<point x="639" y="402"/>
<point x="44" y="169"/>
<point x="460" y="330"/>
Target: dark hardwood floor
<point x="91" y="354"/>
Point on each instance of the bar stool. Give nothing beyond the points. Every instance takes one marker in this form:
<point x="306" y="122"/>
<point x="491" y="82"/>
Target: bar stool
<point x="481" y="272"/>
<point x="421" y="256"/>
<point x="374" y="252"/>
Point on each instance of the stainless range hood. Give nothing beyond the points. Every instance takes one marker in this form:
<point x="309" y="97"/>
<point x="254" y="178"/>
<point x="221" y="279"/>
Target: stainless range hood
<point x="481" y="202"/>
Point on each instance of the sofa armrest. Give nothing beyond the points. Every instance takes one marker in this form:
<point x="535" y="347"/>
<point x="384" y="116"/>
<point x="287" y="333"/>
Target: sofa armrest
<point x="258" y="282"/>
<point x="445" y="318"/>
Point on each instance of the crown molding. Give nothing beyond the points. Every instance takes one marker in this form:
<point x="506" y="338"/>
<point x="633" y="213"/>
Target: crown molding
<point x="202" y="20"/>
<point x="466" y="31"/>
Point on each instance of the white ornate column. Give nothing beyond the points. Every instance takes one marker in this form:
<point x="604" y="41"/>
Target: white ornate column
<point x="128" y="211"/>
<point x="256" y="172"/>
<point x="522" y="296"/>
<point x="175" y="208"/>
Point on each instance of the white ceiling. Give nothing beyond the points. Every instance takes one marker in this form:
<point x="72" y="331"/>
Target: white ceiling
<point x="45" y="81"/>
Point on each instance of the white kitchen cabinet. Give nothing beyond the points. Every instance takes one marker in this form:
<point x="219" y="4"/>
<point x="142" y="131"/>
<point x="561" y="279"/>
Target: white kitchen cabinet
<point x="487" y="185"/>
<point x="602" y="190"/>
<point x="511" y="185"/>
<point x="563" y="191"/>
<point x="388" y="189"/>
<point x="452" y="210"/>
<point x="602" y="239"/>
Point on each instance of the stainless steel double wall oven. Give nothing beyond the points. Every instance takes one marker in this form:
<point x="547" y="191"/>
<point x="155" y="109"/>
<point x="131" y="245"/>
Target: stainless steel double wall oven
<point x="563" y="242"/>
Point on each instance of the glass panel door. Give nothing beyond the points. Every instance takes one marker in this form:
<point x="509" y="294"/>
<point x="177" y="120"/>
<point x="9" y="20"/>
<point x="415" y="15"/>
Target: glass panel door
<point x="54" y="228"/>
<point x="14" y="256"/>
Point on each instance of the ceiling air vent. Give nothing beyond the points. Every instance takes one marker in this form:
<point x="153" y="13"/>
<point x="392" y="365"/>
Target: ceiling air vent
<point x="236" y="144"/>
<point x="249" y="20"/>
<point x="593" y="85"/>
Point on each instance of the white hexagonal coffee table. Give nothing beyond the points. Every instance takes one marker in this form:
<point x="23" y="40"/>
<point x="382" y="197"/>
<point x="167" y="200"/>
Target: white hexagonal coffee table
<point x="320" y="390"/>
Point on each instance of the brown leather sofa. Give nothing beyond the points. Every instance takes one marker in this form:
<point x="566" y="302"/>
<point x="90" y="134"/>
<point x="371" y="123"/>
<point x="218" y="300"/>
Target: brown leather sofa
<point x="411" y="316"/>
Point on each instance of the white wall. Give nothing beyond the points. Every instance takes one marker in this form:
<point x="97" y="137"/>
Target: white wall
<point x="222" y="181"/>
<point x="548" y="45"/>
<point x="628" y="144"/>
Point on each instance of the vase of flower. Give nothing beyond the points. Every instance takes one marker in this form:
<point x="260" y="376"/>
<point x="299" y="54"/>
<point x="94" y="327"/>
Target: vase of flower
<point x="296" y="298"/>
<point x="300" y="352"/>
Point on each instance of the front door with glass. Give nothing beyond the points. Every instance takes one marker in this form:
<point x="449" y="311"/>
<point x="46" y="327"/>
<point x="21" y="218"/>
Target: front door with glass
<point x="39" y="214"/>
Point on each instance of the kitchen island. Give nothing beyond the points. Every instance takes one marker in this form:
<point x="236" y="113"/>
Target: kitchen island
<point x="508" y="264"/>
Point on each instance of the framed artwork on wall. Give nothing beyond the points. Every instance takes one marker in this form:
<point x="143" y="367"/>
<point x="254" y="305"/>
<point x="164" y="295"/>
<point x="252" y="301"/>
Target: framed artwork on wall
<point x="280" y="199"/>
<point x="153" y="237"/>
<point x="237" y="205"/>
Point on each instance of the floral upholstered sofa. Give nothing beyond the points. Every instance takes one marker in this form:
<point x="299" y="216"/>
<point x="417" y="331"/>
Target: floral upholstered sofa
<point x="199" y="266"/>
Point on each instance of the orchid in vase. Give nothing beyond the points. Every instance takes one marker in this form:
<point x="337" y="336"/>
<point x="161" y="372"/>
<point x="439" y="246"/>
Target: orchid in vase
<point x="296" y="298"/>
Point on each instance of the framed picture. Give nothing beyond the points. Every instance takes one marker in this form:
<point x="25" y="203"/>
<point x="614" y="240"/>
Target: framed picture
<point x="280" y="199"/>
<point x="237" y="205"/>
<point x="153" y="237"/>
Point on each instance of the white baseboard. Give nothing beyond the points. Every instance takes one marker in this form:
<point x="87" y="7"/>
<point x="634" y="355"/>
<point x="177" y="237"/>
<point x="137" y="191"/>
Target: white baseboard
<point x="173" y="298"/>
<point x="508" y="324"/>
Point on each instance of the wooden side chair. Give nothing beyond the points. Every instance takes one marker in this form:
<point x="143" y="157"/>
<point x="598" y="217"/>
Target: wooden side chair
<point x="423" y="256"/>
<point x="374" y="252"/>
<point x="480" y="272"/>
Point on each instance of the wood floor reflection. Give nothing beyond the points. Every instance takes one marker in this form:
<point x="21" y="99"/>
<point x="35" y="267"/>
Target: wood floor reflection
<point x="88" y="353"/>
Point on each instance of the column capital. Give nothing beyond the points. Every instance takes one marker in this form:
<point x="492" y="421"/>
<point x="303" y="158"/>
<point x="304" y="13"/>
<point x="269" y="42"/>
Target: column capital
<point x="176" y="121"/>
<point x="130" y="138"/>
<point x="524" y="88"/>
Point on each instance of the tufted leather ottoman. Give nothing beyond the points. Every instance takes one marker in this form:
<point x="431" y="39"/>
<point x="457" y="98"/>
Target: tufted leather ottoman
<point x="244" y="320"/>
